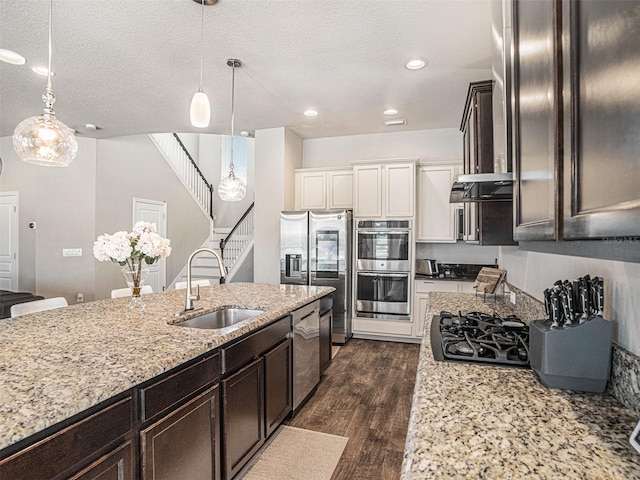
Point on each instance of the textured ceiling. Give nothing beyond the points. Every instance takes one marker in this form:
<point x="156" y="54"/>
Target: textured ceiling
<point x="131" y="66"/>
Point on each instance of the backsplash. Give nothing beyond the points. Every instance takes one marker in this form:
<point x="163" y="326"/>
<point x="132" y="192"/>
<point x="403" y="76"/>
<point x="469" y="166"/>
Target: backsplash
<point x="624" y="381"/>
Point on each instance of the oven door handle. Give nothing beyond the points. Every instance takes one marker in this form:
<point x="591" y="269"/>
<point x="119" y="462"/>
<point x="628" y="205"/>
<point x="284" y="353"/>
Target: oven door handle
<point x="380" y="274"/>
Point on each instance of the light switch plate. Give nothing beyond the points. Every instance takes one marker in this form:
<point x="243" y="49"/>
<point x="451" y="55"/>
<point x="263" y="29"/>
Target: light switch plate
<point x="71" y="252"/>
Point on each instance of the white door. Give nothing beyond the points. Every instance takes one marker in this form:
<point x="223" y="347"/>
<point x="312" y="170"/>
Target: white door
<point x="154" y="212"/>
<point x="9" y="241"/>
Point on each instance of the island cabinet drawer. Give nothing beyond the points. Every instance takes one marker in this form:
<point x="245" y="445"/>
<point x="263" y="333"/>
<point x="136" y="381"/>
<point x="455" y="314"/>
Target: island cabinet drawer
<point x="255" y="344"/>
<point x="67" y="451"/>
<point x="161" y="396"/>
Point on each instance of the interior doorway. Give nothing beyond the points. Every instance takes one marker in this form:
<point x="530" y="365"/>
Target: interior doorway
<point x="153" y="211"/>
<point x="9" y="241"/>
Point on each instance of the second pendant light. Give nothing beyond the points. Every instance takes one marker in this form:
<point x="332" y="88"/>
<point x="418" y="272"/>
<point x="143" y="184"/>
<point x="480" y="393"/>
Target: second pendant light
<point x="232" y="188"/>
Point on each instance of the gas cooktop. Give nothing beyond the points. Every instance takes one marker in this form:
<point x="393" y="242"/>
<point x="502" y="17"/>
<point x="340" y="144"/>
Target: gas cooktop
<point x="479" y="337"/>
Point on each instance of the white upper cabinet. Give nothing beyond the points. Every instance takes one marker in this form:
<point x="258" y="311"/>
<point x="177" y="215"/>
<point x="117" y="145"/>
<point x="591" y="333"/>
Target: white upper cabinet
<point x="324" y="189"/>
<point x="384" y="189"/>
<point x="340" y="189"/>
<point x="367" y="190"/>
<point x="436" y="216"/>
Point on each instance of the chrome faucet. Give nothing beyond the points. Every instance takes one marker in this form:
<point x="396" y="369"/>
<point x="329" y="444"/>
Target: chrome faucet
<point x="188" y="305"/>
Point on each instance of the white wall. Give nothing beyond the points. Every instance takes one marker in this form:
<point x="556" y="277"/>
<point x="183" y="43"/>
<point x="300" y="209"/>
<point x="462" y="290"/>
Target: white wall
<point x="434" y="145"/>
<point x="532" y="272"/>
<point x="61" y="201"/>
<point x="129" y="167"/>
<point x="278" y="151"/>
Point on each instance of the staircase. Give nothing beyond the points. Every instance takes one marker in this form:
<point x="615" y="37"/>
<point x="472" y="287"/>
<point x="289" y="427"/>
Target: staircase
<point x="205" y="266"/>
<point x="235" y="245"/>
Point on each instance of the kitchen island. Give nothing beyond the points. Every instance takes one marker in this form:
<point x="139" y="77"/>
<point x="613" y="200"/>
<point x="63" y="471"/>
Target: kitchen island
<point x="59" y="363"/>
<point x="471" y="421"/>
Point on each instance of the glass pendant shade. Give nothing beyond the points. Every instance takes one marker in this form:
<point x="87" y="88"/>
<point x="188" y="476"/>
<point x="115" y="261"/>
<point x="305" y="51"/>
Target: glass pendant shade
<point x="200" y="111"/>
<point x="231" y="188"/>
<point x="45" y="140"/>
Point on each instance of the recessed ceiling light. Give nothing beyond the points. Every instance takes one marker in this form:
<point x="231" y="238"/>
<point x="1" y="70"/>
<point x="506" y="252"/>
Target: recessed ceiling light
<point x="400" y="121"/>
<point x="415" y="64"/>
<point x="9" y="56"/>
<point x="390" y="111"/>
<point x="42" y="71"/>
<point x="244" y="133"/>
<point x="91" y="126"/>
<point x="310" y="113"/>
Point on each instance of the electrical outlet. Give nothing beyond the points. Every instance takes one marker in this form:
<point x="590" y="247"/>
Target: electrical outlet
<point x="512" y="297"/>
<point x="80" y="297"/>
<point x="71" y="252"/>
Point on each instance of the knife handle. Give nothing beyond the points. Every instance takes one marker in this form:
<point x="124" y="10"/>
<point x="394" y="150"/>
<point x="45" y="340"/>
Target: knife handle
<point x="564" y="301"/>
<point x="547" y="302"/>
<point x="584" y="302"/>
<point x="600" y="297"/>
<point x="556" y="313"/>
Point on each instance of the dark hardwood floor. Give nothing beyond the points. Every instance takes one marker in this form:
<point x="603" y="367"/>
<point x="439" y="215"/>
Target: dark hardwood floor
<point x="365" y="395"/>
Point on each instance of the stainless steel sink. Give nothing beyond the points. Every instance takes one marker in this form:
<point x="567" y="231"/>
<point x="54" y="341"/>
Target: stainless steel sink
<point x="225" y="317"/>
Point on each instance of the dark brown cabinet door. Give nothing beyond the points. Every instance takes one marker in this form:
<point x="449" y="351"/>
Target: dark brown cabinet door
<point x="185" y="443"/>
<point x="242" y="416"/>
<point x="536" y="119"/>
<point x="277" y="385"/>
<point x="601" y="118"/>
<point x="117" y="465"/>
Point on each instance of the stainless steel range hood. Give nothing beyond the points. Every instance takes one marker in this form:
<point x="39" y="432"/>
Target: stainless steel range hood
<point x="482" y="187"/>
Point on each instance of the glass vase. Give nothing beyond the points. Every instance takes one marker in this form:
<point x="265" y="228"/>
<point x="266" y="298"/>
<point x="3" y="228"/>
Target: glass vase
<point x="135" y="280"/>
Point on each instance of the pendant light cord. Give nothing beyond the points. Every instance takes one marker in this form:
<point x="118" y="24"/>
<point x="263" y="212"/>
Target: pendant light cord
<point x="201" y="41"/>
<point x="49" y="69"/>
<point x="48" y="96"/>
<point x="233" y="101"/>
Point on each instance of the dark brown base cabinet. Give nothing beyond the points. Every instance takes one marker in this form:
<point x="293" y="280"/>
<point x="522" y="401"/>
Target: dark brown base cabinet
<point x="243" y="407"/>
<point x="256" y="398"/>
<point x="117" y="465"/>
<point x="278" y="382"/>
<point x="184" y="444"/>
<point x="101" y="439"/>
<point x="201" y="421"/>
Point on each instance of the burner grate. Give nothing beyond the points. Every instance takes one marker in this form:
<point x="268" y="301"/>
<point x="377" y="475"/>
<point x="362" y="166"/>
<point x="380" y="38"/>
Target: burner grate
<point x="481" y="337"/>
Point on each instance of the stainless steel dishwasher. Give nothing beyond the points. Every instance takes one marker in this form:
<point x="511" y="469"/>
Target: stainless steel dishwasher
<point x="306" y="352"/>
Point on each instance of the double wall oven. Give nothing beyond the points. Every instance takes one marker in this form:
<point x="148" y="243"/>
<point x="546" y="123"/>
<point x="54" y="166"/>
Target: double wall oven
<point x="383" y="269"/>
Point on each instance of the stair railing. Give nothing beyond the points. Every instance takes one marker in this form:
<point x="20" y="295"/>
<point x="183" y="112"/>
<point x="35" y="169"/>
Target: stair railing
<point x="187" y="170"/>
<point x="240" y="236"/>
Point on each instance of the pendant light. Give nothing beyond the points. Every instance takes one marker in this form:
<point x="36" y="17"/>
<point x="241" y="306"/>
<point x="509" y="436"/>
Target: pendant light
<point x="200" y="111"/>
<point x="45" y="140"/>
<point x="231" y="188"/>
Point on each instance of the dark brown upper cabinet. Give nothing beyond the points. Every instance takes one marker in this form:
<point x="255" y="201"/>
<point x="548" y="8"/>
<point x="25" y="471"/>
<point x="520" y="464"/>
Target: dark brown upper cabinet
<point x="536" y="116"/>
<point x="485" y="223"/>
<point x="601" y="67"/>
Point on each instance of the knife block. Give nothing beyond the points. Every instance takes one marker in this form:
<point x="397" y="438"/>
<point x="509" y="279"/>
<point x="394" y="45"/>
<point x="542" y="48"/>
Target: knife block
<point x="573" y="358"/>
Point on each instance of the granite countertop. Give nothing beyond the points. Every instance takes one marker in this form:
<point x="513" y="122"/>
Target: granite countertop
<point x="485" y="422"/>
<point x="57" y="363"/>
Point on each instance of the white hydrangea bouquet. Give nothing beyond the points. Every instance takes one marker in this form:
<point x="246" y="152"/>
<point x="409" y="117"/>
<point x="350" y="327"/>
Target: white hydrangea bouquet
<point x="130" y="250"/>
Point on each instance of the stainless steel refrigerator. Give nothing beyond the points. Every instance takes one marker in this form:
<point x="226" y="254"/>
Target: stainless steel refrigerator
<point x="315" y="249"/>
